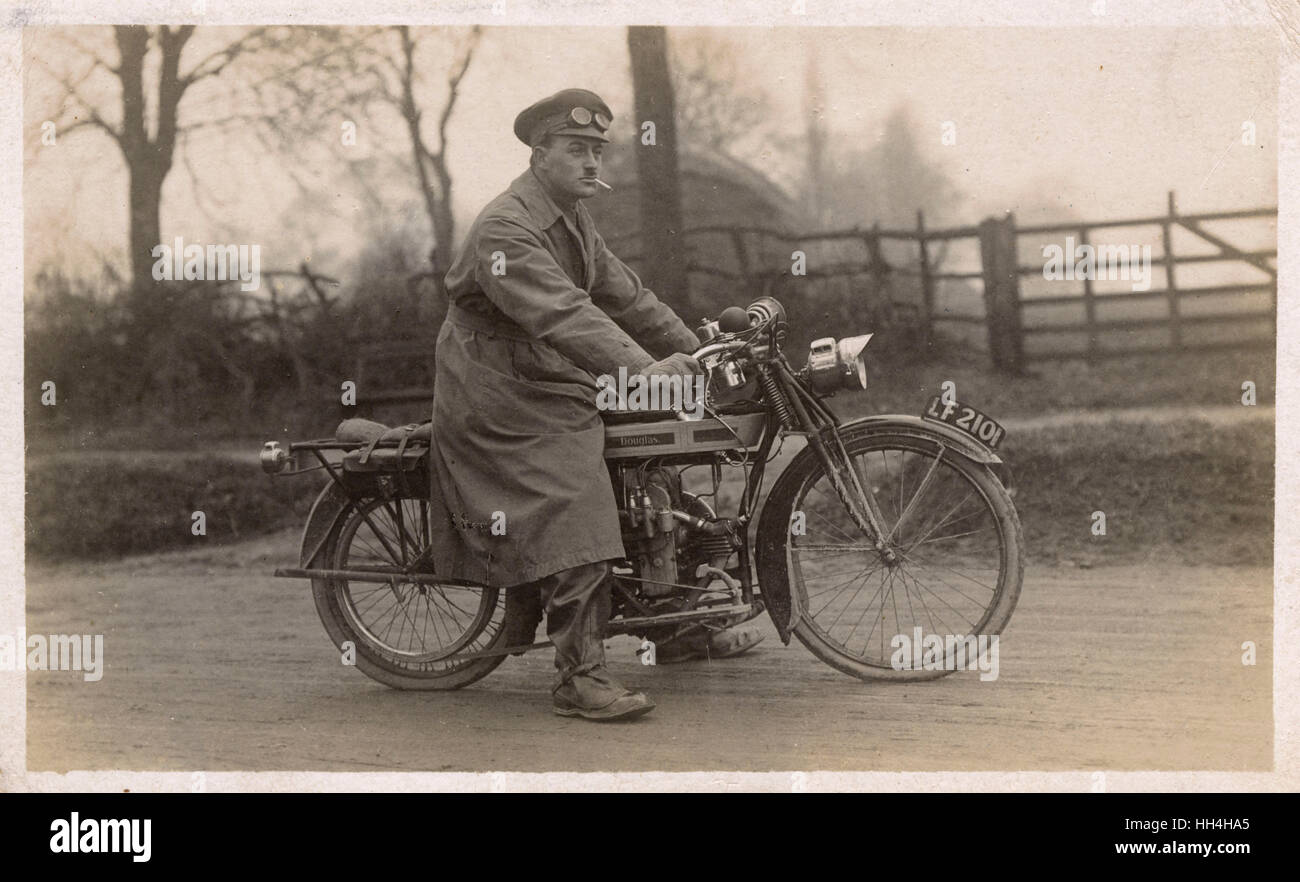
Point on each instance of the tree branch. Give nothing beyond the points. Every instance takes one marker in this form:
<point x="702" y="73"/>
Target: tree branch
<point x="218" y="61"/>
<point x="170" y="88"/>
<point x="91" y="115"/>
<point x="453" y="85"/>
<point x="98" y="59"/>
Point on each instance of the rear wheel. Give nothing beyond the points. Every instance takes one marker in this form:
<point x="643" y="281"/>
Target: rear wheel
<point x="406" y="634"/>
<point x="951" y="569"/>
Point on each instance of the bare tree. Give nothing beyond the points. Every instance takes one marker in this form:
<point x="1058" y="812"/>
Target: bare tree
<point x="431" y="164"/>
<point x="387" y="71"/>
<point x="146" y="102"/>
<point x="147" y="124"/>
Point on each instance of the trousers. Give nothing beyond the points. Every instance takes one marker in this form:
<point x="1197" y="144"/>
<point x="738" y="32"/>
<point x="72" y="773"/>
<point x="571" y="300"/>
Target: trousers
<point x="577" y="606"/>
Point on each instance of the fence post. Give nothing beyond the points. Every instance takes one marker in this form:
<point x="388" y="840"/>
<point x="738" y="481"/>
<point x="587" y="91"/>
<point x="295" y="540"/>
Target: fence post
<point x="1089" y="301"/>
<point x="879" y="269"/>
<point x="1002" y="292"/>
<point x="1171" y="287"/>
<point x="927" y="287"/>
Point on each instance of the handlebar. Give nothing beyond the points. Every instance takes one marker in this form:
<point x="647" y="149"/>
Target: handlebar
<point x="714" y="348"/>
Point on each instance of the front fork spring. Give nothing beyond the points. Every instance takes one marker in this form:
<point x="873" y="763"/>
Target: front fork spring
<point x="775" y="397"/>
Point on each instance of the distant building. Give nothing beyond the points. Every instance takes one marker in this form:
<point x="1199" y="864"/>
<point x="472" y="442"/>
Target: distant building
<point x="717" y="190"/>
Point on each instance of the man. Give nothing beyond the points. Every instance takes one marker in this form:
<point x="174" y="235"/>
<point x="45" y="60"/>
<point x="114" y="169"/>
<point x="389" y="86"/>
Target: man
<point x="539" y="308"/>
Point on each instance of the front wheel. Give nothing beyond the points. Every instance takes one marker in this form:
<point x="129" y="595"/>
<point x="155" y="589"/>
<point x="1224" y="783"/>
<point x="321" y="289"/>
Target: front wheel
<point x="947" y="580"/>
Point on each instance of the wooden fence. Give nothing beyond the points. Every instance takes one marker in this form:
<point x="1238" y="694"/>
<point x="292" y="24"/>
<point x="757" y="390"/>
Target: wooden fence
<point x="991" y="295"/>
<point x="1180" y="314"/>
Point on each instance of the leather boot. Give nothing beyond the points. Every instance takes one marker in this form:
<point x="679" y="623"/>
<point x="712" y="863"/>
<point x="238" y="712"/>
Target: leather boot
<point x="577" y="602"/>
<point x="595" y="695"/>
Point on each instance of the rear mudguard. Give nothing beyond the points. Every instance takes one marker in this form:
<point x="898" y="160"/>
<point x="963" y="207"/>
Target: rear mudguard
<point x="325" y="513"/>
<point x="333" y="501"/>
<point x="770" y="545"/>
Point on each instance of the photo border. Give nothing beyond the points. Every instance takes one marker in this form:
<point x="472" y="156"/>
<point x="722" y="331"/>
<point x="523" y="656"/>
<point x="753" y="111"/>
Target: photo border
<point x="1285" y="21"/>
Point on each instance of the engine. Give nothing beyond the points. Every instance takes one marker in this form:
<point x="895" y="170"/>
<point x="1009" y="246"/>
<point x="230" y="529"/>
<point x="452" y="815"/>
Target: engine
<point x="668" y="533"/>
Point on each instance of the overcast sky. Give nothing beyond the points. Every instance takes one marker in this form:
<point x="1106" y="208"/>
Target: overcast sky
<point x="1086" y="123"/>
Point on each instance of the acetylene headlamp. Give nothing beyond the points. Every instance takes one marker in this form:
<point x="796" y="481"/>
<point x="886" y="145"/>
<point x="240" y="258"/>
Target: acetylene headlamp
<point x="836" y="364"/>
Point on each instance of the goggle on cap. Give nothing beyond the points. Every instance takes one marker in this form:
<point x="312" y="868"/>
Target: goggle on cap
<point x="568" y="112"/>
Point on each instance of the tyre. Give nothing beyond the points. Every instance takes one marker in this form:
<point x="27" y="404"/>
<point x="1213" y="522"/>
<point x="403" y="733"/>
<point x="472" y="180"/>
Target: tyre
<point x="952" y="568"/>
<point x="405" y="634"/>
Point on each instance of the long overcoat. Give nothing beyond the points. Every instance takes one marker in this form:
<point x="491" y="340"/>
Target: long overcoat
<point x="539" y="308"/>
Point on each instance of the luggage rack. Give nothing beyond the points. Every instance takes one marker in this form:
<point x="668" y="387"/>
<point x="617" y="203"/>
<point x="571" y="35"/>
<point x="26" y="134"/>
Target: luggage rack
<point x="397" y="454"/>
<point x="393" y="459"/>
<point x="275" y="460"/>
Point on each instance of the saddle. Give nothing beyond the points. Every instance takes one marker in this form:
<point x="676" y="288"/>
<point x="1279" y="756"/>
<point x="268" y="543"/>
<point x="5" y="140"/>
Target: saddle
<point x="386" y="448"/>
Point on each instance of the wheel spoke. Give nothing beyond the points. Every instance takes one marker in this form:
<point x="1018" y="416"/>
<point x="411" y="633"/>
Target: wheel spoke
<point x="380" y="593"/>
<point x="863" y="616"/>
<point x="920" y="491"/>
<point x="916" y="560"/>
<point x="843" y="535"/>
<point x="884" y="461"/>
<point x="950" y="536"/>
<point x="921" y="587"/>
<point x="944" y="519"/>
<point x="921" y="599"/>
<point x="436" y="622"/>
<point x="907" y="595"/>
<point x="843" y="586"/>
<point x="874" y="620"/>
<point x="431" y="598"/>
<point x="858" y="591"/>
<point x="839" y="573"/>
<point x="827" y="546"/>
<point x="428" y="616"/>
<point x="447" y="600"/>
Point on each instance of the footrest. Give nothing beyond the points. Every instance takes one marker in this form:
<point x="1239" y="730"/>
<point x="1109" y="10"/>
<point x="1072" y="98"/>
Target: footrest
<point x="619" y="626"/>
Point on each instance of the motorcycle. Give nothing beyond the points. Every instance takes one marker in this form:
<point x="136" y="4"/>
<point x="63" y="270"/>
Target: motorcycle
<point x="882" y="536"/>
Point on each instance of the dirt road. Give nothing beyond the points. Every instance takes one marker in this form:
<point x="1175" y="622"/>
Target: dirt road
<point x="210" y="664"/>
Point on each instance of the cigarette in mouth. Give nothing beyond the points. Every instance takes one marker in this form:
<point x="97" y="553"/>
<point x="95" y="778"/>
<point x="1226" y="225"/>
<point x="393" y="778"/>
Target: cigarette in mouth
<point x="603" y="184"/>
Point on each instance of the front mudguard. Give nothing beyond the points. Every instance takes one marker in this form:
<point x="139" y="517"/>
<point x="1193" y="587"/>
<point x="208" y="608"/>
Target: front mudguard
<point x="773" y="529"/>
<point x="905" y="424"/>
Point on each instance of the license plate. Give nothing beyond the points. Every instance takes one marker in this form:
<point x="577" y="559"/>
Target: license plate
<point x="982" y="428"/>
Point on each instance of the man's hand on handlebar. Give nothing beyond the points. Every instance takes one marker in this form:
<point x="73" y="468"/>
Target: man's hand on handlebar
<point x="679" y="364"/>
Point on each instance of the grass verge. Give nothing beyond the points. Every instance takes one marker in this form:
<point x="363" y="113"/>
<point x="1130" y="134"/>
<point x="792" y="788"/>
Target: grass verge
<point x="1185" y="491"/>
<point x="95" y="509"/>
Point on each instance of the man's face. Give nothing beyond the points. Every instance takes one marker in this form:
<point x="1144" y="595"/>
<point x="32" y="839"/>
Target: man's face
<point x="569" y="166"/>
